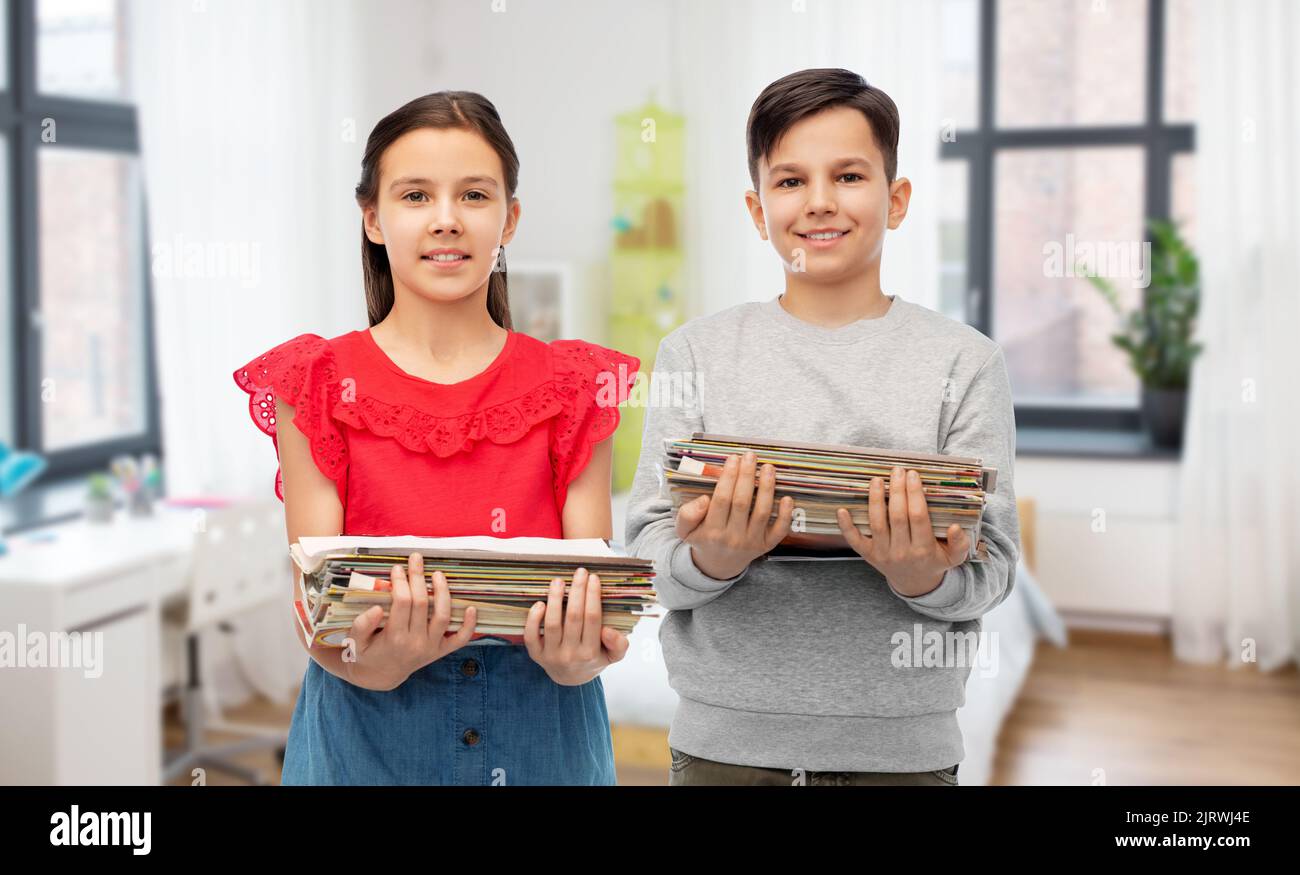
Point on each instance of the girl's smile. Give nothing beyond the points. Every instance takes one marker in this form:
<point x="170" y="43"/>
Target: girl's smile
<point x="445" y="259"/>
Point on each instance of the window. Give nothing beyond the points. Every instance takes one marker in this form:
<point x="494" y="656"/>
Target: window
<point x="953" y="249"/>
<point x="1068" y="124"/>
<point x="78" y="375"/>
<point x="8" y="361"/>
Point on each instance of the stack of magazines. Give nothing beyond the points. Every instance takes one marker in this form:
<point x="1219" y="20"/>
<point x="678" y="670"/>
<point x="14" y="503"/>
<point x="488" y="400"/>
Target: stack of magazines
<point x="342" y="577"/>
<point x="824" y="477"/>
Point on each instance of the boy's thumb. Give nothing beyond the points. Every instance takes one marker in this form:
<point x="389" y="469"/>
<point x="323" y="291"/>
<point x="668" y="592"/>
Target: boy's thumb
<point x="690" y="514"/>
<point x="694" y="511"/>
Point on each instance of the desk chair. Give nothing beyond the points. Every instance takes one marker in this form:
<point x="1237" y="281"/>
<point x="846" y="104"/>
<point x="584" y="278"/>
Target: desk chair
<point x="241" y="562"/>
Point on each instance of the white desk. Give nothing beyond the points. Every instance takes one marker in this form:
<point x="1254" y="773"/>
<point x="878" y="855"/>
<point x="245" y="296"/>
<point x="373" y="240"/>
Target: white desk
<point x="57" y="725"/>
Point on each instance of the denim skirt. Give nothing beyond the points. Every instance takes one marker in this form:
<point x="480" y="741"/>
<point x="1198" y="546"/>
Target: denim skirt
<point x="484" y="714"/>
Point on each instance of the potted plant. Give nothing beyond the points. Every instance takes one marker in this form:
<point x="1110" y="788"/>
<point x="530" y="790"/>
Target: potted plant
<point x="99" y="499"/>
<point x="1158" y="335"/>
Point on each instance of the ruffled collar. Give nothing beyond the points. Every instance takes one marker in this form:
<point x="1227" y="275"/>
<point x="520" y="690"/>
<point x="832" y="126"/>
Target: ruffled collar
<point x="344" y="381"/>
<point x="528" y="383"/>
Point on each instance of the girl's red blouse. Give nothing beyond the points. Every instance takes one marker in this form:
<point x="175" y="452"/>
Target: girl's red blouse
<point x="493" y="454"/>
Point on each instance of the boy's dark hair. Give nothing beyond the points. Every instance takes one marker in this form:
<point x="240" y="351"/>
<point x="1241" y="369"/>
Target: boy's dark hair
<point x="793" y="98"/>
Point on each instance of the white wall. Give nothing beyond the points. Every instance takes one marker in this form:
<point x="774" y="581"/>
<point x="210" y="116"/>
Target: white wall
<point x="1104" y="535"/>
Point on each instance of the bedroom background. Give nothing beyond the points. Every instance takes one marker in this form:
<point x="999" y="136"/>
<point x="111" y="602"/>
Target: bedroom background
<point x="195" y="207"/>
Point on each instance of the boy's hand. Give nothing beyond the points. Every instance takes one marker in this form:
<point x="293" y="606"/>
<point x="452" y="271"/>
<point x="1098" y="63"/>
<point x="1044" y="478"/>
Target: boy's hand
<point x="902" y="545"/>
<point x="724" y="532"/>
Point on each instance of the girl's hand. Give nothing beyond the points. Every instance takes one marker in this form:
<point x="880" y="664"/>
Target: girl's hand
<point x="902" y="545"/>
<point x="575" y="647"/>
<point x="412" y="638"/>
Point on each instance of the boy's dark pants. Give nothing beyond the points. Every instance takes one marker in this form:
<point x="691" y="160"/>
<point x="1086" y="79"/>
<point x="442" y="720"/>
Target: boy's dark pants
<point x="687" y="770"/>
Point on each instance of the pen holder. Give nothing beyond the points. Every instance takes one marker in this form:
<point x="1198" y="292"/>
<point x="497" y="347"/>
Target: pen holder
<point x="140" y="502"/>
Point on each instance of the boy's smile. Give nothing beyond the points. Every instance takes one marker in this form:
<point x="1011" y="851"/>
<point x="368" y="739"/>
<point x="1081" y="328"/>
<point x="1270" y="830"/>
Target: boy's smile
<point x="824" y="201"/>
<point x="823" y="238"/>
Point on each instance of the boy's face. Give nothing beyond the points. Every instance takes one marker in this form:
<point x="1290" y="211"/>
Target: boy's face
<point x="441" y="189"/>
<point x="823" y="200"/>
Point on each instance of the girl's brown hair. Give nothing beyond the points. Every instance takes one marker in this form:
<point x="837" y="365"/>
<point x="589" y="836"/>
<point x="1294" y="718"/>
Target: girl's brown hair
<point x="442" y="109"/>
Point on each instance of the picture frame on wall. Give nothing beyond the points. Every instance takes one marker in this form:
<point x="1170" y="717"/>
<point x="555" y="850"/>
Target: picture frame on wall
<point x="541" y="299"/>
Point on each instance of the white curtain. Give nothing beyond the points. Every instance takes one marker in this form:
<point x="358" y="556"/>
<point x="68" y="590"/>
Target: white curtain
<point x="251" y="136"/>
<point x="245" y="112"/>
<point x="725" y="53"/>
<point x="1237" y="555"/>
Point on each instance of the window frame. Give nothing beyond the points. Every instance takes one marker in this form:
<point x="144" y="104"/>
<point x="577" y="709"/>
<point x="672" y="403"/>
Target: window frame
<point x="1160" y="141"/>
<point x="81" y="123"/>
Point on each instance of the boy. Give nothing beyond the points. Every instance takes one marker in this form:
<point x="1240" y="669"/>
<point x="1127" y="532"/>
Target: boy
<point x="802" y="672"/>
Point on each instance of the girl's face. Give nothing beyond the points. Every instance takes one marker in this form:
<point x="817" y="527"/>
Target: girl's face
<point x="823" y="199"/>
<point x="442" y="212"/>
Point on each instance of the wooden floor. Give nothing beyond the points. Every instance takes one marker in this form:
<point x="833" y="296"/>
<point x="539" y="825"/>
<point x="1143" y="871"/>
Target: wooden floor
<point x="1112" y="708"/>
<point x="1123" y="705"/>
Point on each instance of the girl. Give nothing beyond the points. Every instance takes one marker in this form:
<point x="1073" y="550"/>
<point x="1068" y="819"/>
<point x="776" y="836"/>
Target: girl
<point x="440" y="419"/>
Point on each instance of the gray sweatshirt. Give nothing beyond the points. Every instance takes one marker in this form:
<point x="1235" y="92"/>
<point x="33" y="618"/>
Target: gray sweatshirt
<point x="822" y="665"/>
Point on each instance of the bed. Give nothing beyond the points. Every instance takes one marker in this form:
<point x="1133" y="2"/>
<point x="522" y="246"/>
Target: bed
<point x="641" y="703"/>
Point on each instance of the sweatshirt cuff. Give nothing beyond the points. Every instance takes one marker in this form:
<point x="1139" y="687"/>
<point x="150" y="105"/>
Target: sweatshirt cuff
<point x="948" y="593"/>
<point x="683" y="570"/>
